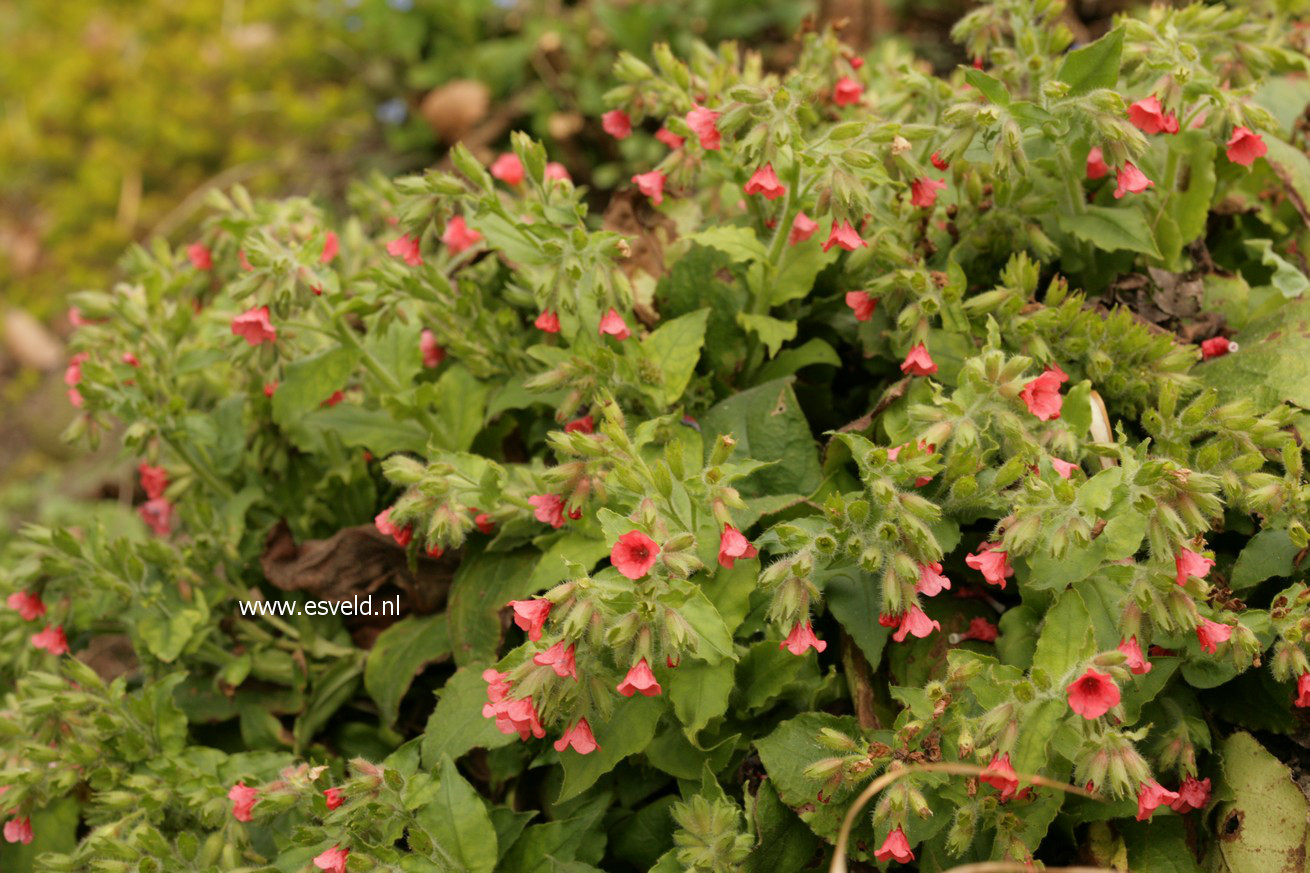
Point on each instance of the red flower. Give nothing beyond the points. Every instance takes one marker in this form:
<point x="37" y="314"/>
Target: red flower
<point x="334" y="798"/>
<point x="863" y="303"/>
<point x="845" y="236"/>
<point x="331" y="247"/>
<point x="801" y="638"/>
<point x="847" y="92"/>
<point x="1093" y="694"/>
<point x="153" y="479"/>
<point x="732" y="545"/>
<point x="1063" y="468"/>
<point x="640" y="680"/>
<point x="617" y="124"/>
<point x="1217" y="347"/>
<point x="895" y="848"/>
<point x="508" y="169"/>
<point x="560" y="658"/>
<point x="557" y="171"/>
<point x="1001" y="776"/>
<point x="613" y="324"/>
<point x="765" y="181"/>
<point x="888" y="620"/>
<point x="938" y="162"/>
<point x="855" y="61"/>
<point x="1188" y="563"/>
<point x="1042" y="395"/>
<point x="26" y="604"/>
<point x="1302" y="686"/>
<point x="931" y="581"/>
<point x="918" y="362"/>
<point x="669" y="138"/>
<point x="513" y="716"/>
<point x="1136" y="661"/>
<point x="1149" y="117"/>
<point x="244" y="261"/>
<point x="579" y="737"/>
<point x="1151" y="796"/>
<point x="634" y="554"/>
<point x="406" y="248"/>
<point x="992" y="562"/>
<point x="18" y="830"/>
<point x="269" y="388"/>
<point x="333" y="860"/>
<point x="199" y="256"/>
<point x="923" y="192"/>
<point x="1211" y="633"/>
<point x="458" y="236"/>
<point x="157" y="513"/>
<point x="402" y="535"/>
<point x="585" y="424"/>
<point x="435" y="552"/>
<point x="548" y="509"/>
<point x="651" y="184"/>
<point x="1244" y="146"/>
<point x="530" y="616"/>
<point x="915" y="621"/>
<point x="548" y="322"/>
<point x="1193" y="794"/>
<point x="802" y="228"/>
<point x="253" y="325"/>
<point x="433" y="354"/>
<point x="243" y="800"/>
<point x="1096" y="165"/>
<point x="334" y="398"/>
<point x="482" y="520"/>
<point x="703" y="122"/>
<point x="131" y="360"/>
<point x="980" y="629"/>
<point x="1130" y="180"/>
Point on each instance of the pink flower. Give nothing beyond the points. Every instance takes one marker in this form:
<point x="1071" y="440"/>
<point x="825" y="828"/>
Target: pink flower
<point x="1302" y="688"/>
<point x="1149" y="117"/>
<point x="931" y="581"/>
<point x="579" y="737"/>
<point x="243" y="800"/>
<point x="402" y="535"/>
<point x="18" y="830"/>
<point x="333" y="860"/>
<point x="1093" y="694"/>
<point x="157" y="513"/>
<point x="1063" y="468"/>
<point x="513" y="716"/>
<point x="131" y="360"/>
<point x="1211" y="633"/>
<point x="498" y="689"/>
<point x="26" y="604"/>
<point x="1001" y="776"/>
<point x="557" y="171"/>
<point x="269" y="388"/>
<point x="548" y="322"/>
<point x="980" y="629"/>
<point x="895" y="848"/>
<point x="73" y="372"/>
<point x="559" y="658"/>
<point x="508" y="169"/>
<point x="75" y="317"/>
<point x="1096" y="165"/>
<point x="1042" y="395"/>
<point x="923" y="192"/>
<point x="847" y="92"/>
<point x="199" y="256"/>
<point x="634" y="554"/>
<point x="331" y="247"/>
<point x="801" y="638"/>
<point x="458" y="236"/>
<point x="845" y="236"/>
<point x="613" y="324"/>
<point x="548" y="509"/>
<point x="703" y="123"/>
<point x="863" y="303"/>
<point x="1244" y="146"/>
<point x="916" y="622"/>
<point x="334" y="798"/>
<point x="640" y="680"/>
<point x="482" y="520"/>
<point x="1130" y="180"/>
<point x="530" y="616"/>
<point x="52" y="640"/>
<point x="669" y="138"/>
<point x="1188" y="563"/>
<point x="765" y="181"/>
<point x="1151" y="796"/>
<point x="918" y="362"/>
<point x="1136" y="661"/>
<point x="617" y="124"/>
<point x="992" y="562"/>
<point x="585" y="424"/>
<point x="732" y="545"/>
<point x="254" y="326"/>
<point x="406" y="248"/>
<point x="244" y="261"/>
<point x="802" y="228"/>
<point x="153" y="479"/>
<point x="1193" y="794"/>
<point x="938" y="161"/>
<point x="651" y="184"/>
<point x="1217" y="347"/>
<point x="433" y="354"/>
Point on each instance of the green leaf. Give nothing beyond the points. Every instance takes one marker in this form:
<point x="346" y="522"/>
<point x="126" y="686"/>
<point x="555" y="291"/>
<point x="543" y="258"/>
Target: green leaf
<point x="788" y="361"/>
<point x="1160" y="845"/>
<point x="713" y="639"/>
<point x="1093" y="66"/>
<point x="856" y="599"/>
<point x="1121" y="228"/>
<point x="784" y="843"/>
<point x="398" y="654"/>
<point x="772" y="332"/>
<point x="1037" y="726"/>
<point x="373" y="429"/>
<point x="483" y="584"/>
<point x="543" y="845"/>
<point x="645" y="835"/>
<point x="628" y="731"/>
<point x="1273" y="363"/>
<point x="800" y="266"/>
<point x="461" y="401"/>
<point x="699" y="692"/>
<point x="991" y="87"/>
<point x="739" y="243"/>
<point x="397" y="350"/>
<point x="308" y="382"/>
<point x="332" y="689"/>
<point x="769" y="425"/>
<point x="674" y="347"/>
<point x="1267" y="554"/>
<point x="1292" y="166"/>
<point x="457" y="724"/>
<point x="458" y="823"/>
<point x="764" y="674"/>
<point x="1290" y="281"/>
<point x="1191" y="207"/>
<point x="1264" y="825"/>
<point x="1066" y="637"/>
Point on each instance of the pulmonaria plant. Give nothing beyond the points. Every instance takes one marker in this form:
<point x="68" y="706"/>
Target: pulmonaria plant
<point x="828" y="454"/>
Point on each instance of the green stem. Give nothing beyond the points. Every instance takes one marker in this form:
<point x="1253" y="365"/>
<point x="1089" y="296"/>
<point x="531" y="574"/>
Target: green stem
<point x="202" y="471"/>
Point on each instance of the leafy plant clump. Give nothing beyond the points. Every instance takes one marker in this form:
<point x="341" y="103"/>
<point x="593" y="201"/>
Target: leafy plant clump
<point x="829" y="453"/>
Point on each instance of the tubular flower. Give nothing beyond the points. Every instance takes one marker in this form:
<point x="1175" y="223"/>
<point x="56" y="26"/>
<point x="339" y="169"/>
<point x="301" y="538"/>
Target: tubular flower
<point x="1217" y="347"/>
<point x="548" y="322"/>
<point x="157" y="513"/>
<point x="1151" y="796"/>
<point x="640" y="680"/>
<point x="1211" y="633"/>
<point x="433" y="354"/>
<point x="915" y="622"/>
<point x="1189" y="563"/>
<point x="254" y="326"/>
<point x="923" y="192"/>
<point x="801" y="638"/>
<point x="802" y="228"/>
<point x="530" y="616"/>
<point x="1092" y="694"/>
<point x="579" y="737"/>
<point x="733" y="545"/>
<point x="508" y="169"/>
<point x="18" y="830"/>
<point x="1042" y="395"/>
<point x="1096" y="166"/>
<point x="617" y="124"/>
<point x="669" y="138"/>
<point x="26" y="604"/>
<point x="764" y="181"/>
<point x="1063" y="468"/>
<point x="992" y="562"/>
<point x="895" y="848"/>
<point x="862" y="303"/>
<point x="845" y="236"/>
<point x="243" y="800"/>
<point x="548" y="509"/>
<point x="406" y="248"/>
<point x="1136" y="661"/>
<point x="634" y="554"/>
<point x="333" y="797"/>
<point x="931" y="581"/>
<point x="458" y="236"/>
<point x="939" y="162"/>
<point x="1130" y="180"/>
<point x="153" y="479"/>
<point x="614" y="325"/>
<point x="331" y="248"/>
<point x="585" y="424"/>
<point x="560" y="659"/>
<point x="402" y="535"/>
<point x="979" y="629"/>
<point x="52" y="640"/>
<point x="199" y="256"/>
<point x="557" y="171"/>
<point x="651" y="184"/>
<point x="704" y="123"/>
<point x="1244" y="146"/>
<point x="847" y="92"/>
<point x="1001" y="776"/>
<point x="918" y="362"/>
<point x="1149" y="117"/>
<point x="1303" y="690"/>
<point x="1193" y="794"/>
<point x="333" y="860"/>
